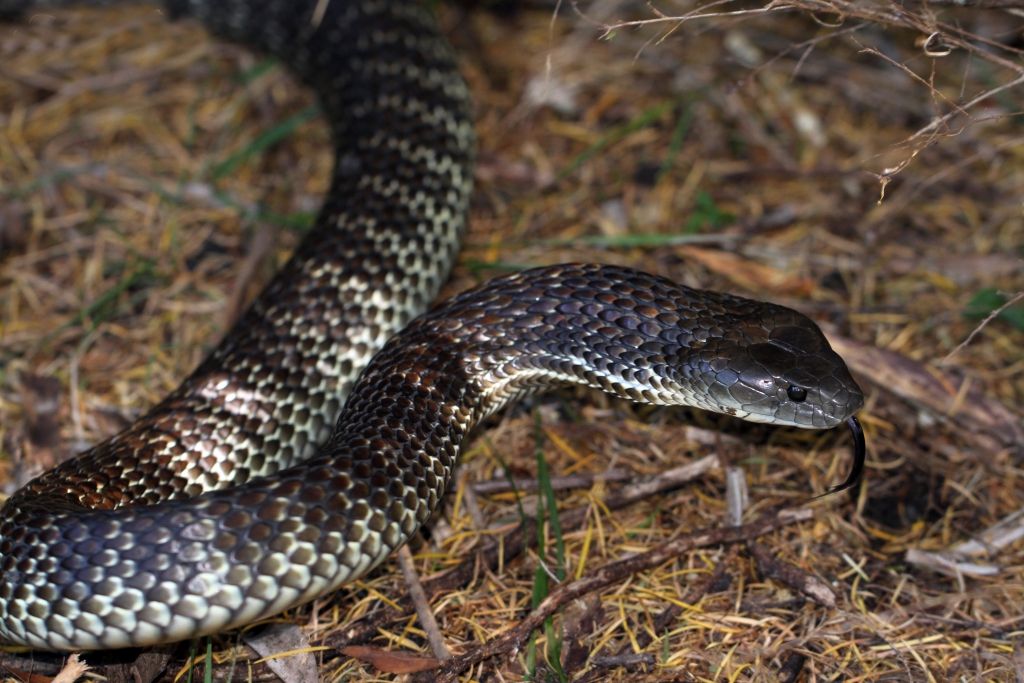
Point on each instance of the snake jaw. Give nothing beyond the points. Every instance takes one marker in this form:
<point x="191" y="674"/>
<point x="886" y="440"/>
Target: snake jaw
<point x="754" y="380"/>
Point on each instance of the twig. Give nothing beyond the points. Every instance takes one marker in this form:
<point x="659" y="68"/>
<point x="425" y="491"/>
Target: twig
<point x="991" y="316"/>
<point x="988" y="542"/>
<point x="808" y="584"/>
<point x="514" y="638"/>
<point x="881" y="12"/>
<point x="472" y="503"/>
<point x="630" y="659"/>
<point x="950" y="564"/>
<point x="259" y="247"/>
<point x="957" y="109"/>
<point x="973" y="4"/>
<point x="697" y="14"/>
<point x="423" y="611"/>
<point x="905" y="196"/>
<point x="663" y="482"/>
<point x="940" y="120"/>
<point x="737" y="497"/>
<point x="570" y="481"/>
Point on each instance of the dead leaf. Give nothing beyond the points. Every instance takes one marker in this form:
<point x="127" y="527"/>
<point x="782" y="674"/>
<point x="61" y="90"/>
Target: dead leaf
<point x="26" y="677"/>
<point x="961" y="269"/>
<point x="747" y="274"/>
<point x="145" y="669"/>
<point x="493" y="167"/>
<point x="577" y="625"/>
<point x="392" y="661"/>
<point x="297" y="665"/>
<point x="989" y="424"/>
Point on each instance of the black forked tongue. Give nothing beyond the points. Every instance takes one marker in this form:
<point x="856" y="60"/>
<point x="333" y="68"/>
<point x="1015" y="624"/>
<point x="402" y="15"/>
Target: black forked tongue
<point x="859" y="455"/>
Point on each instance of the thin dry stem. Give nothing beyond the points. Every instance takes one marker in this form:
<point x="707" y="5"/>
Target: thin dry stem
<point x="974" y="333"/>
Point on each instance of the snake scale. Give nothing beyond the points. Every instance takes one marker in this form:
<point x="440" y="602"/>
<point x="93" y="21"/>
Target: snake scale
<point x="256" y="486"/>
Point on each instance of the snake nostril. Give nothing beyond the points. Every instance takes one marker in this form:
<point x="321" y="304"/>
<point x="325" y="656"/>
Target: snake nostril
<point x="797" y="394"/>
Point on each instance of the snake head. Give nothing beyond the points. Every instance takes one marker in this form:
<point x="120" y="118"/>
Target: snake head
<point x="785" y="374"/>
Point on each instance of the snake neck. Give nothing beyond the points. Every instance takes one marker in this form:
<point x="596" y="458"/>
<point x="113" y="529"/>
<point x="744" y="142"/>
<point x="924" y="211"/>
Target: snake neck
<point x="424" y="392"/>
<point x="631" y="334"/>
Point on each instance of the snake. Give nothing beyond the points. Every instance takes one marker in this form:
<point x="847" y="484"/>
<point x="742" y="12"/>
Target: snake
<point x="324" y="429"/>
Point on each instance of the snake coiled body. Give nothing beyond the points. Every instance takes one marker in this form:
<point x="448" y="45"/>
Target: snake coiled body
<point x="256" y="485"/>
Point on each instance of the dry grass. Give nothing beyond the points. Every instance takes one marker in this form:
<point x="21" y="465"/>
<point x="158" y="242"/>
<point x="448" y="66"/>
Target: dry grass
<point x="130" y="201"/>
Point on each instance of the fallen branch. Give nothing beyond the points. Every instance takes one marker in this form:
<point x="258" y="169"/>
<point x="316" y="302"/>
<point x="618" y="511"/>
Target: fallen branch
<point x="989" y="425"/>
<point x="422" y="603"/>
<point x="808" y="584"/>
<point x="570" y="481"/>
<point x="512" y="640"/>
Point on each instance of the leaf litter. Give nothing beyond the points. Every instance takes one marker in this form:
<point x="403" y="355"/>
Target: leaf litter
<point x="152" y="179"/>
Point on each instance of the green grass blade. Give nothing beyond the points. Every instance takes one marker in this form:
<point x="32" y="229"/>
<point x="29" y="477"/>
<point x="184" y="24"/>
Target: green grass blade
<point x="475" y="266"/>
<point x="540" y="591"/>
<point x="676" y="144"/>
<point x="638" y="122"/>
<point x="531" y="658"/>
<point x="208" y="676"/>
<point x="548" y="492"/>
<point x="258" y="69"/>
<point x="540" y="580"/>
<point x="507" y="473"/>
<point x="646" y="523"/>
<point x="191" y="660"/>
<point x="265" y="140"/>
<point x="706" y="214"/>
<point x="100" y="309"/>
<point x="234" y="660"/>
<point x="546" y="499"/>
<point x="569" y="410"/>
<point x="554" y="650"/>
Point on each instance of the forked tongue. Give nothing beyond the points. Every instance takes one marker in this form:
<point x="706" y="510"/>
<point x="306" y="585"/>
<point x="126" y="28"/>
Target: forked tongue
<point x="859" y="455"/>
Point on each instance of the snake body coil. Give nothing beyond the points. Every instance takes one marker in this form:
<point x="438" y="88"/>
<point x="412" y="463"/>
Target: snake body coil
<point x="244" y="493"/>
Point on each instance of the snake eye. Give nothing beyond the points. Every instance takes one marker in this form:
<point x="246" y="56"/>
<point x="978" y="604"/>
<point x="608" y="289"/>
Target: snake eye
<point x="797" y="394"/>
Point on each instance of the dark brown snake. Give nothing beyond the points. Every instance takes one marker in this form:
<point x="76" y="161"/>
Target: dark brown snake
<point x="256" y="486"/>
